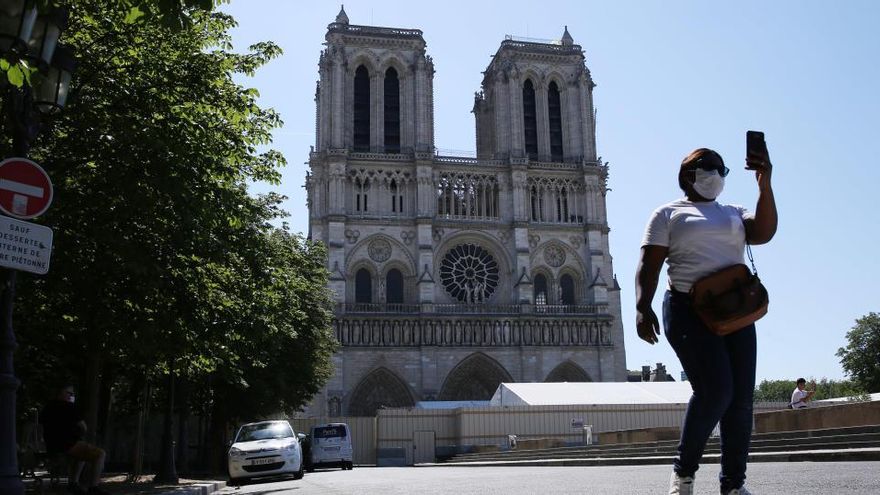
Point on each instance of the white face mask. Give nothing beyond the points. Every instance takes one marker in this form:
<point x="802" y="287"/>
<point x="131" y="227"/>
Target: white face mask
<point x="708" y="184"/>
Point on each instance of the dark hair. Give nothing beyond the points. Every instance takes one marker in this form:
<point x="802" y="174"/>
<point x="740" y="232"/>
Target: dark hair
<point x="689" y="161"/>
<point x="802" y="380"/>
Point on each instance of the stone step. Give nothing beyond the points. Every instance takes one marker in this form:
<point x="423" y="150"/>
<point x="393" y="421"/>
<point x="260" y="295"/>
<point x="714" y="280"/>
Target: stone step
<point x="833" y="438"/>
<point x="837" y="441"/>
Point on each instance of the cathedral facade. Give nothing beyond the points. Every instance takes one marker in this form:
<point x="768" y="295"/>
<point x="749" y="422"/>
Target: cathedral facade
<point x="454" y="274"/>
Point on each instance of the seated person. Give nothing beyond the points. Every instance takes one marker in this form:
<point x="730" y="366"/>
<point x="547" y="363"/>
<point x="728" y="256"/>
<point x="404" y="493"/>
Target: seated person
<point x="800" y="397"/>
<point x="63" y="429"/>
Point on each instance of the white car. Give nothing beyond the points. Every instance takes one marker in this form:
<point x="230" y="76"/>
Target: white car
<point x="331" y="446"/>
<point x="267" y="448"/>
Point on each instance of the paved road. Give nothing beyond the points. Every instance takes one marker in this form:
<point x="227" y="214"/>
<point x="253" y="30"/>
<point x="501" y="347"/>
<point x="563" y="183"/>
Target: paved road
<point x="764" y="479"/>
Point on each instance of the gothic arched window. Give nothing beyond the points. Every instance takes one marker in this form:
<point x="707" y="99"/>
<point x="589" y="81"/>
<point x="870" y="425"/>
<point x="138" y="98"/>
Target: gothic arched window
<point x="363" y="287"/>
<point x="540" y="289"/>
<point x="537" y="203"/>
<point x="554" y="112"/>
<point x="566" y="288"/>
<point x="392" y="112"/>
<point x="361" y="109"/>
<point x="394" y="287"/>
<point x="362" y="189"/>
<point x="530" y="119"/>
<point x="396" y="197"/>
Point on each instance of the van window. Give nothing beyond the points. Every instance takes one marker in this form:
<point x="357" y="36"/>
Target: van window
<point x="330" y="432"/>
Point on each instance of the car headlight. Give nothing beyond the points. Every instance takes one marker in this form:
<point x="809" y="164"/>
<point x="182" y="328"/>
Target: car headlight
<point x="290" y="446"/>
<point x="234" y="452"/>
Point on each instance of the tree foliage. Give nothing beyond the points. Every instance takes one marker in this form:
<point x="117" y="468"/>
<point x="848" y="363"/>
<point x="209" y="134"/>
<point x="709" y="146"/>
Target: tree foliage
<point x="781" y="390"/>
<point x="861" y="356"/>
<point x="162" y="261"/>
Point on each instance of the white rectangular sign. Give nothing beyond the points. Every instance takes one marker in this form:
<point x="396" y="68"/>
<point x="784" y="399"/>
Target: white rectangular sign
<point x="25" y="246"/>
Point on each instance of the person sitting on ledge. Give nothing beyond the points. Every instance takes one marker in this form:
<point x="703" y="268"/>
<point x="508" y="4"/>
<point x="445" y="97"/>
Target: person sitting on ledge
<point x="63" y="429"/>
<point x="801" y="397"/>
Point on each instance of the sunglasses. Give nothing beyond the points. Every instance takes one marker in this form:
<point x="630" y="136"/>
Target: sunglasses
<point x="710" y="166"/>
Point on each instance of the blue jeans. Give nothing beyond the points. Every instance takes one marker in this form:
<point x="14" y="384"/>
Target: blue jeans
<point x="721" y="371"/>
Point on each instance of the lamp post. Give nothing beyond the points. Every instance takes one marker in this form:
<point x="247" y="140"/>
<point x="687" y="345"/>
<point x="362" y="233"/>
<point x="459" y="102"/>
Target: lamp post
<point x="28" y="35"/>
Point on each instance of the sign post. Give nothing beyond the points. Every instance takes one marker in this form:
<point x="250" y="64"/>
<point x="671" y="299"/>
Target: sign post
<point x="25" y="188"/>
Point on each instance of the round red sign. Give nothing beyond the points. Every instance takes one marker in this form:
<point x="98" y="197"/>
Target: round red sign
<point x="25" y="189"/>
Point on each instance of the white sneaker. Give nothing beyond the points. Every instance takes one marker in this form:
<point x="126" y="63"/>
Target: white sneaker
<point x="681" y="485"/>
<point x="739" y="491"/>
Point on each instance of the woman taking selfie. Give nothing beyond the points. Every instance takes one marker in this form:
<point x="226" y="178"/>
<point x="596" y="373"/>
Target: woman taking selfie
<point x="697" y="236"/>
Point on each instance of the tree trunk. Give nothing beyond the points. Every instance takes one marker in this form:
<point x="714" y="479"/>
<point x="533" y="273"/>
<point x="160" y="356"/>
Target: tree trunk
<point x="92" y="389"/>
<point x="217" y="438"/>
<point x="167" y="469"/>
<point x="183" y="425"/>
<point x="137" y="468"/>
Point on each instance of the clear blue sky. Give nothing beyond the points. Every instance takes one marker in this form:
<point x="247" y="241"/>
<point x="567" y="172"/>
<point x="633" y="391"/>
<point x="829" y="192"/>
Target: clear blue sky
<point x="671" y="76"/>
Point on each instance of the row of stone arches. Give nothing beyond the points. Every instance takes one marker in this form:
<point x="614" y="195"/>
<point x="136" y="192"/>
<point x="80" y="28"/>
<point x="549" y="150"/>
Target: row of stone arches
<point x="475" y="378"/>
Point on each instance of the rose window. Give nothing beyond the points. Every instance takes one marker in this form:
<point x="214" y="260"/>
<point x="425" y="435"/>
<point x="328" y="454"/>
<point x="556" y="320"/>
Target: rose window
<point x="469" y="273"/>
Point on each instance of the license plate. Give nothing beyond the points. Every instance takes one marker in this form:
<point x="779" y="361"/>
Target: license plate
<point x="331" y="449"/>
<point x="259" y="462"/>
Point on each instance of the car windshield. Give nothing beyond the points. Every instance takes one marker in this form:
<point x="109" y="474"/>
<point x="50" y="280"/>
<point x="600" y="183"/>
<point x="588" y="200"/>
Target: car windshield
<point x="330" y="432"/>
<point x="264" y="431"/>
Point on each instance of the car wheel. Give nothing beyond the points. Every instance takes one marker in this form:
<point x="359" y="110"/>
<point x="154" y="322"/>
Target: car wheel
<point x="299" y="474"/>
<point x="349" y="466"/>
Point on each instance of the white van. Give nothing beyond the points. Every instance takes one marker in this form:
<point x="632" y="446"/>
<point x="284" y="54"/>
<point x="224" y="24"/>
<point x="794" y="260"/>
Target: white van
<point x="331" y="446"/>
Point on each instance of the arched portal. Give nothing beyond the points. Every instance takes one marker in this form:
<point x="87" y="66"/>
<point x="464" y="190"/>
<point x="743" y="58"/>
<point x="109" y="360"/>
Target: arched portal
<point x="475" y="378"/>
<point x="568" y="371"/>
<point x="380" y="388"/>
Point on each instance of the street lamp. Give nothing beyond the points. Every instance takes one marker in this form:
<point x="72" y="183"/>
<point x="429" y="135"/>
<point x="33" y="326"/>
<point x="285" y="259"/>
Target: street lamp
<point x="25" y="35"/>
<point x="17" y="18"/>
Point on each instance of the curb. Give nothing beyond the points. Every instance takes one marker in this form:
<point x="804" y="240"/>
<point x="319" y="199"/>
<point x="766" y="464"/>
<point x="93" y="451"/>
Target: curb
<point x="846" y="455"/>
<point x="203" y="488"/>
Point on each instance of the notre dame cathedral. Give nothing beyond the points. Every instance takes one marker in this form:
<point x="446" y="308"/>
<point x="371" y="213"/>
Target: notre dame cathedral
<point x="454" y="274"/>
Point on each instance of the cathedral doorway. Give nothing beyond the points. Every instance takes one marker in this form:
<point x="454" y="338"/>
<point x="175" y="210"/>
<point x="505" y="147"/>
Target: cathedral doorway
<point x="475" y="378"/>
<point x="380" y="388"/>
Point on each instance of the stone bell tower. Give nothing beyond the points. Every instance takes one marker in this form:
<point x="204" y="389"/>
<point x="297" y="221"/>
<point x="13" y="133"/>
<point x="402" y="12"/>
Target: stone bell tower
<point x="453" y="274"/>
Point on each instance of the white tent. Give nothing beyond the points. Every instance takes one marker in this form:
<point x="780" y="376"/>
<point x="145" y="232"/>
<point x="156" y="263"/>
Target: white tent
<point x="579" y="393"/>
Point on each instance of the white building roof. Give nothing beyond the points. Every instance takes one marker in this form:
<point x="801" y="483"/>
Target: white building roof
<point x="580" y="393"/>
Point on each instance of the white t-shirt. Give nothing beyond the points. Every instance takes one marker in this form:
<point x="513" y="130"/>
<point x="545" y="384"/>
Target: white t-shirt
<point x="796" y="396"/>
<point x="702" y="238"/>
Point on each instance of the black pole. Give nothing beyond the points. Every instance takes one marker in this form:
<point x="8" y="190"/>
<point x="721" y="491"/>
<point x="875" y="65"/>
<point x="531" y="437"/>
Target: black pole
<point x="24" y="125"/>
<point x="10" y="477"/>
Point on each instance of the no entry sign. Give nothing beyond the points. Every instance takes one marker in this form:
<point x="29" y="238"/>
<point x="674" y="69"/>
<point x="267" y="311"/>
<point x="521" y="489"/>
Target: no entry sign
<point x="25" y="189"/>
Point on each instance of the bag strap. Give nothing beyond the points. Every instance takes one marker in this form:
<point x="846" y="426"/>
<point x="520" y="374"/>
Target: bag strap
<point x="751" y="258"/>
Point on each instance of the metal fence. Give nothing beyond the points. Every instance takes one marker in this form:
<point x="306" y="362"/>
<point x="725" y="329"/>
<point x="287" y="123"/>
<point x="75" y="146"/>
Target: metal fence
<point x="463" y="429"/>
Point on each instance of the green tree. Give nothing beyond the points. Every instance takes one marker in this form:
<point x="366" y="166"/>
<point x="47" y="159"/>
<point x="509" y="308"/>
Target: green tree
<point x="861" y="355"/>
<point x="780" y="390"/>
<point x="164" y="267"/>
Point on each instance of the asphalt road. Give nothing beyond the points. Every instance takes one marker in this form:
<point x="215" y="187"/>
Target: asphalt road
<point x="763" y="479"/>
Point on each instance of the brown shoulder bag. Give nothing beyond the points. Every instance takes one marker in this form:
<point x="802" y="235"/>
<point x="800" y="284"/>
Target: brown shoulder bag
<point x="730" y="298"/>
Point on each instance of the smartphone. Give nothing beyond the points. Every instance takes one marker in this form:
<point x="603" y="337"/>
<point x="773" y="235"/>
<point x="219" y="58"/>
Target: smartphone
<point x="755" y="144"/>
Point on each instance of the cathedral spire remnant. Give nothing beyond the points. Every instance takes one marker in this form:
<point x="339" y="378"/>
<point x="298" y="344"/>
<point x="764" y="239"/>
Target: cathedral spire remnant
<point x="567" y="40"/>
<point x="342" y="17"/>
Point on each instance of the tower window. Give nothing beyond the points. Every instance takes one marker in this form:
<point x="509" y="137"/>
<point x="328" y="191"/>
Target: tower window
<point x="396" y="197"/>
<point x="566" y="289"/>
<point x="392" y="112"/>
<point x="554" y="112"/>
<point x="361" y="109"/>
<point x="394" y="287"/>
<point x="363" y="287"/>
<point x="540" y="290"/>
<point x="362" y="188"/>
<point x="530" y="121"/>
